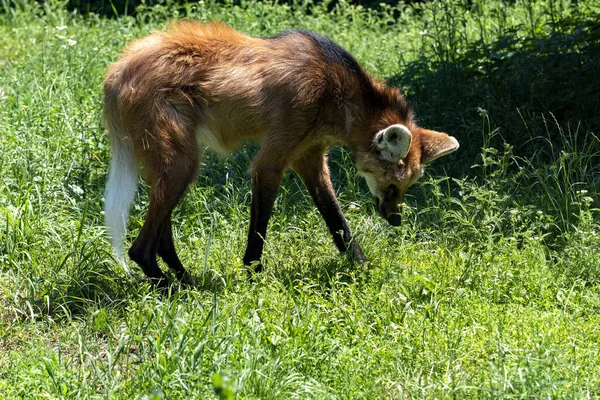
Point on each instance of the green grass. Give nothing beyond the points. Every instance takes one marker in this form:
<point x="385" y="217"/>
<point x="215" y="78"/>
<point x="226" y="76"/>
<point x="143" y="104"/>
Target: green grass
<point x="490" y="289"/>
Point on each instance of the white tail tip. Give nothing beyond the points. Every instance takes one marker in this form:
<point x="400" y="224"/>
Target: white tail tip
<point x="120" y="192"/>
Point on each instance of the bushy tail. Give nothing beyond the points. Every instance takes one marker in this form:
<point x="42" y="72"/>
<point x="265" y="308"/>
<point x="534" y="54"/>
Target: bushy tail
<point x="120" y="191"/>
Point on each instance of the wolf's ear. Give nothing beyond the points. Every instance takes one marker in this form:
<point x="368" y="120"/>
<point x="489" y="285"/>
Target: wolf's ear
<point x="435" y="145"/>
<point x="393" y="142"/>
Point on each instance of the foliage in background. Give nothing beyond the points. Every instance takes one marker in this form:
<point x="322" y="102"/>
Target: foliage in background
<point x="116" y="8"/>
<point x="528" y="73"/>
<point x="491" y="288"/>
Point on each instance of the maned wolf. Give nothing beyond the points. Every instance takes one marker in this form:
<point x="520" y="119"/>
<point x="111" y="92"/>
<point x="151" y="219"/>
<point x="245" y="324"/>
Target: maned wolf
<point x="298" y="93"/>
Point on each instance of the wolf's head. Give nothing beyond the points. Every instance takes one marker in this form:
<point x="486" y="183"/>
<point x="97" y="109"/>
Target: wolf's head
<point x="396" y="160"/>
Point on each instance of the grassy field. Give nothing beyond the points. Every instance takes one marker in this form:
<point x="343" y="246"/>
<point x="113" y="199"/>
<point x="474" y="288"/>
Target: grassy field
<point x="490" y="289"/>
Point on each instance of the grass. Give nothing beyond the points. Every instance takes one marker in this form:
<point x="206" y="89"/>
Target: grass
<point x="490" y="289"/>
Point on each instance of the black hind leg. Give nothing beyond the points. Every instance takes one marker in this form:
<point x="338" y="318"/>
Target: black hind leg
<point x="166" y="251"/>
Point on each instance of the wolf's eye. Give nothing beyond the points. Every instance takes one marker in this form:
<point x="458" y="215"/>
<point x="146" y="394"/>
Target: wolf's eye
<point x="391" y="191"/>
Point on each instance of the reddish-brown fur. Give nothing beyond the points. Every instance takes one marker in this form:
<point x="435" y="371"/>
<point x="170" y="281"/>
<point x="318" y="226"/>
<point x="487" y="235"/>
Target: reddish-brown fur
<point x="284" y="92"/>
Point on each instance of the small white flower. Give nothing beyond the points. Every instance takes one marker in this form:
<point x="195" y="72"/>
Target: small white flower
<point x="61" y="28"/>
<point x="76" y="189"/>
<point x="71" y="42"/>
<point x="514" y="211"/>
<point x="588" y="199"/>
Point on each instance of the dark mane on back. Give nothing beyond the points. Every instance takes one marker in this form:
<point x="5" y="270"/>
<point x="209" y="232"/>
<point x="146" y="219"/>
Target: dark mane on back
<point x="376" y="96"/>
<point x="333" y="52"/>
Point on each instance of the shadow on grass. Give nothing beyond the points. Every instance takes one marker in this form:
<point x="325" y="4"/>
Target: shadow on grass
<point x="524" y="85"/>
<point x="103" y="287"/>
<point x="89" y="278"/>
<point x="322" y="274"/>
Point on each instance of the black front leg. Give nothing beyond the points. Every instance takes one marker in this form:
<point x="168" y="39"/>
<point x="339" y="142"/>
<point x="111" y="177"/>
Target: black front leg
<point x="330" y="209"/>
<point x="315" y="174"/>
<point x="265" y="183"/>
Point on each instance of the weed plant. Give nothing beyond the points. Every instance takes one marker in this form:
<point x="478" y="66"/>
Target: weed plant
<point x="490" y="289"/>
